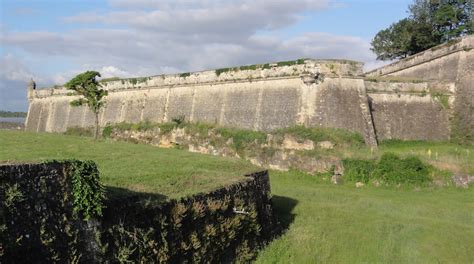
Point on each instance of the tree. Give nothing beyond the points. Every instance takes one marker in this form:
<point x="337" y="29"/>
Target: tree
<point x="86" y="85"/>
<point x="431" y="22"/>
<point x="452" y="18"/>
<point x="394" y="42"/>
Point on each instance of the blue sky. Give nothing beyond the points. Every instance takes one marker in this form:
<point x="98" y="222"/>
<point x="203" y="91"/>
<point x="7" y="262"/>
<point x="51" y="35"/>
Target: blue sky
<point x="51" y="41"/>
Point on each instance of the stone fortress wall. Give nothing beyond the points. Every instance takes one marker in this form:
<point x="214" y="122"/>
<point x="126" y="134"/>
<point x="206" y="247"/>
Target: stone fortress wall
<point x="314" y="93"/>
<point x="448" y="70"/>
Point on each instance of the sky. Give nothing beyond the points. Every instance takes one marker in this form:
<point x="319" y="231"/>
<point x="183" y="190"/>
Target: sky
<point x="53" y="40"/>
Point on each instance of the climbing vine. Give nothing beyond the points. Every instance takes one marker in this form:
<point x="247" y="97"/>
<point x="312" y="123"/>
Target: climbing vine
<point x="88" y="192"/>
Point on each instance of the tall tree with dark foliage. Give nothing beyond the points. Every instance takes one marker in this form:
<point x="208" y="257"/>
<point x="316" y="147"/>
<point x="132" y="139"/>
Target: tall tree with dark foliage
<point x="431" y="22"/>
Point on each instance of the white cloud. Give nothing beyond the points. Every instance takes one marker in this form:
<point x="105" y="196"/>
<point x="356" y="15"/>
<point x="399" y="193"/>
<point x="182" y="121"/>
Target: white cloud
<point x="146" y="38"/>
<point x="12" y="69"/>
<point x="229" y="18"/>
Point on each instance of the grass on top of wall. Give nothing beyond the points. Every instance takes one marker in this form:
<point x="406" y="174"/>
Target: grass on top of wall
<point x="136" y="167"/>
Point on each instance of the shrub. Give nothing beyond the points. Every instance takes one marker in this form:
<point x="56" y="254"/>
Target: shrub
<point x="358" y="170"/>
<point x="390" y="169"/>
<point x="107" y="131"/>
<point x="178" y="120"/>
<point x="393" y="169"/>
<point x="80" y="131"/>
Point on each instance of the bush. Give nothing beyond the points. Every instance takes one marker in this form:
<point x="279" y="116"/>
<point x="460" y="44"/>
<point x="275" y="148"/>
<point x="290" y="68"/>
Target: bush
<point x="393" y="169"/>
<point x="107" y="131"/>
<point x="80" y="131"/>
<point x="390" y="169"/>
<point x="358" y="170"/>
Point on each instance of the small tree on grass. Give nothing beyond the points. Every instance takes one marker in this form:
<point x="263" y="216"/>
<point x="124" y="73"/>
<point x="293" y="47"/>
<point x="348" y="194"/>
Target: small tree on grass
<point x="88" y="88"/>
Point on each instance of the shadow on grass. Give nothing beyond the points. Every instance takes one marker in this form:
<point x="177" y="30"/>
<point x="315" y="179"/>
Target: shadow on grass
<point x="283" y="208"/>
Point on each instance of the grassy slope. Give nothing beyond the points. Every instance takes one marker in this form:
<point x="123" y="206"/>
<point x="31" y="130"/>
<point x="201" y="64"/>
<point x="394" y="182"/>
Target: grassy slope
<point x="327" y="223"/>
<point x="140" y="168"/>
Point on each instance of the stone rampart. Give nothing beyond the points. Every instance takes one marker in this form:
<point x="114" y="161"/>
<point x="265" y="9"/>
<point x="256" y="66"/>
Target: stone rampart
<point x="449" y="70"/>
<point x="310" y="92"/>
<point x="425" y="97"/>
<point x="409" y="111"/>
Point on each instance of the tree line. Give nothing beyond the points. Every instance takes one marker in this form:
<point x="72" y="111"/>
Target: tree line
<point x="430" y="23"/>
<point x="12" y="114"/>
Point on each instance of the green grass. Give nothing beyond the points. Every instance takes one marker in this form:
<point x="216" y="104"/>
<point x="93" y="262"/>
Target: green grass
<point x="325" y="223"/>
<point x="135" y="167"/>
<point x="342" y="224"/>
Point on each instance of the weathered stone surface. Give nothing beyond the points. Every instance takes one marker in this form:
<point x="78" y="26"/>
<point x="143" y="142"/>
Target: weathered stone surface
<point x="290" y="142"/>
<point x="326" y="145"/>
<point x="277" y="97"/>
<point x="449" y="66"/>
<point x="462" y="181"/>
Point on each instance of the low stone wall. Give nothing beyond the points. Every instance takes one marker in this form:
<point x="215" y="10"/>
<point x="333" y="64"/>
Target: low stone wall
<point x="229" y="224"/>
<point x="50" y="213"/>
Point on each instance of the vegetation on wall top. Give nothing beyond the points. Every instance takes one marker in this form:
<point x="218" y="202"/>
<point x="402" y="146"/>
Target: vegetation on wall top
<point x="430" y="23"/>
<point x="261" y="66"/>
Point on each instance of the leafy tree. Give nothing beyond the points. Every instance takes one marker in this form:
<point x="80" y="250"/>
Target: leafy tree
<point x="452" y="18"/>
<point x="86" y="85"/>
<point x="431" y="22"/>
<point x="394" y="42"/>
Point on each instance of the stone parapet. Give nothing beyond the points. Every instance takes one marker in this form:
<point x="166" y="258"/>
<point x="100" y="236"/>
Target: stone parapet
<point x="305" y="69"/>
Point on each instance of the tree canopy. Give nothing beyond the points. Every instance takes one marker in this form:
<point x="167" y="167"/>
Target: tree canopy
<point x="431" y="22"/>
<point x="88" y="88"/>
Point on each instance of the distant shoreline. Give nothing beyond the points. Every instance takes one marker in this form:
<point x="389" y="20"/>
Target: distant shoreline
<point x="12" y="114"/>
<point x="13" y="120"/>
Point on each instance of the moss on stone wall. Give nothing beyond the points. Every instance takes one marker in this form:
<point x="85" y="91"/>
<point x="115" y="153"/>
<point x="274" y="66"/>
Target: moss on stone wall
<point x="47" y="211"/>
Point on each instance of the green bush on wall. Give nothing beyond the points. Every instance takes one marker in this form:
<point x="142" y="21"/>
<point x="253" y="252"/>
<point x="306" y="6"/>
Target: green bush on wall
<point x="87" y="190"/>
